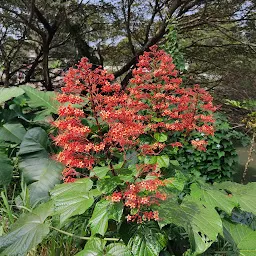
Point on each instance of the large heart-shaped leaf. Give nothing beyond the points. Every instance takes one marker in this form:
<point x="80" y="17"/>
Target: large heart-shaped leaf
<point x="147" y="239"/>
<point x="27" y="232"/>
<point x="96" y="246"/>
<point x="12" y="132"/>
<point x="39" y="170"/>
<point x="160" y="137"/>
<point x="242" y="195"/>
<point x="242" y="237"/>
<point x="202" y="222"/>
<point x="6" y="169"/>
<point x="45" y="100"/>
<point x="34" y="141"/>
<point x="103" y="211"/>
<point x="41" y="175"/>
<point x="212" y="197"/>
<point x="72" y="199"/>
<point x="8" y="93"/>
<point x="99" y="171"/>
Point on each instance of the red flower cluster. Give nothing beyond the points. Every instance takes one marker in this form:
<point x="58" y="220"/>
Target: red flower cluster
<point x="140" y="196"/>
<point x="155" y="84"/>
<point x="199" y="144"/>
<point x="98" y="118"/>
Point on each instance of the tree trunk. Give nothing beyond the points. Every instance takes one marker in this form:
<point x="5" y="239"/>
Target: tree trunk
<point x="33" y="67"/>
<point x="7" y="76"/>
<point x="46" y="73"/>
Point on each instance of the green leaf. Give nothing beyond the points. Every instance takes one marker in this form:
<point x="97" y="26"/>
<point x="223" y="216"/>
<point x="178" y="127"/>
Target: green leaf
<point x="35" y="140"/>
<point x="79" y="186"/>
<point x="99" y="219"/>
<point x="96" y="247"/>
<point x="242" y="237"/>
<point x="242" y="195"/>
<point x="117" y="249"/>
<point x="103" y="211"/>
<point x="12" y="132"/>
<point x="6" y="169"/>
<point x="202" y="223"/>
<point x="174" y="162"/>
<point x="163" y="161"/>
<point x="177" y="182"/>
<point x="100" y="172"/>
<point x="41" y="175"/>
<point x="160" y="137"/>
<point x="39" y="170"/>
<point x="220" y="153"/>
<point x="212" y="198"/>
<point x="108" y="184"/>
<point x="8" y="93"/>
<point x="39" y="99"/>
<point x="27" y="232"/>
<point x="116" y="211"/>
<point x="147" y="240"/>
<point x="72" y="199"/>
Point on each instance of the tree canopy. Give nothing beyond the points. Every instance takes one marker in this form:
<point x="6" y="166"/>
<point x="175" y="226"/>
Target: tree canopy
<point x="216" y="37"/>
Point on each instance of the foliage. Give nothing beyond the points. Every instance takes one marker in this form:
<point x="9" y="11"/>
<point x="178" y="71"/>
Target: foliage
<point x="218" y="162"/>
<point x="25" y="158"/>
<point x="121" y="178"/>
<point x="35" y="36"/>
<point x="171" y="46"/>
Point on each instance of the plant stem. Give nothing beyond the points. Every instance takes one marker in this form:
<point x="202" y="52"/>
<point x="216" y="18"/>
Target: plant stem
<point x="249" y="157"/>
<point x="81" y="237"/>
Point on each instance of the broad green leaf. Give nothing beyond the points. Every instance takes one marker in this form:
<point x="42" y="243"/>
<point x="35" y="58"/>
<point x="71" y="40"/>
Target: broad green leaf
<point x="117" y="249"/>
<point x="79" y="186"/>
<point x="103" y="211"/>
<point x="108" y="184"/>
<point x="202" y="223"/>
<point x="39" y="170"/>
<point x="163" y="161"/>
<point x="6" y="169"/>
<point x="100" y="172"/>
<point x="27" y="232"/>
<point x="44" y="174"/>
<point x="147" y="240"/>
<point x="174" y="162"/>
<point x="12" y="132"/>
<point x="8" y="93"/>
<point x="242" y="237"/>
<point x="39" y="99"/>
<point x="177" y="182"/>
<point x="72" y="199"/>
<point x="160" y="137"/>
<point x="213" y="198"/>
<point x="99" y="219"/>
<point x="35" y="140"/>
<point x="244" y="195"/>
<point x="126" y="175"/>
<point x="96" y="247"/>
<point x="116" y="211"/>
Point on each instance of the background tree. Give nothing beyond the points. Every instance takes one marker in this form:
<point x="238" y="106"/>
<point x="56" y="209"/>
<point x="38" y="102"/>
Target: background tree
<point x="215" y="36"/>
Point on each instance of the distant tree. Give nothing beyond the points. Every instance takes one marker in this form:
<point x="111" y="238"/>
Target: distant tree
<point x="213" y="35"/>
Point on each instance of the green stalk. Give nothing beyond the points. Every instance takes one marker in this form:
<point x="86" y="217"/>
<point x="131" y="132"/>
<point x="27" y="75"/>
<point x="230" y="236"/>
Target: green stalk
<point x="81" y="237"/>
<point x="7" y="206"/>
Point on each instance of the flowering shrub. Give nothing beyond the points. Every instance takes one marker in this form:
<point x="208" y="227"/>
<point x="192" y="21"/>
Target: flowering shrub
<point x="98" y="120"/>
<point x="122" y="193"/>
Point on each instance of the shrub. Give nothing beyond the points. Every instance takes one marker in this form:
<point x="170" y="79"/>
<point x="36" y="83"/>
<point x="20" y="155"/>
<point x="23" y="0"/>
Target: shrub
<point x="119" y="177"/>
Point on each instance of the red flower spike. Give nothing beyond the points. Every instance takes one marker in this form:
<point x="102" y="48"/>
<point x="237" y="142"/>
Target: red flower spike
<point x="154" y="101"/>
